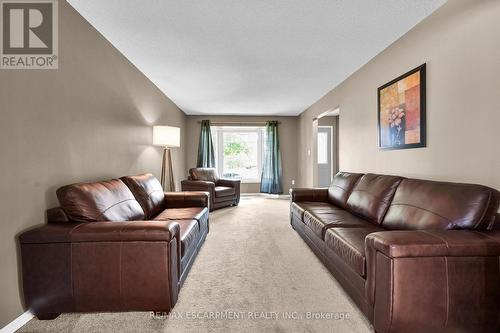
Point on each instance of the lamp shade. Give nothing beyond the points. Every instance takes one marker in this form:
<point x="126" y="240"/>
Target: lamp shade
<point x="167" y="136"/>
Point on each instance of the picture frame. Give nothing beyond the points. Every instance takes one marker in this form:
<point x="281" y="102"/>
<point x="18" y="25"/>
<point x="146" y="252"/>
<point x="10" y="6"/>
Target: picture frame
<point x="402" y="111"/>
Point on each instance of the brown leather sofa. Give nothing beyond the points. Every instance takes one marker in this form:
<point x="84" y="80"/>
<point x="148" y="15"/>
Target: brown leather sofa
<point x="223" y="192"/>
<point x="414" y="255"/>
<point x="116" y="245"/>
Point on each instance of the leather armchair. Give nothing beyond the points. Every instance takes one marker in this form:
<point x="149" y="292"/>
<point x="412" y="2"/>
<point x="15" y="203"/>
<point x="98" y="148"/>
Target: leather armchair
<point x="222" y="192"/>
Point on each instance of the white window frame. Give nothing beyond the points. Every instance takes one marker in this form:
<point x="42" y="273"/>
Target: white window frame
<point x="322" y="150"/>
<point x="218" y="137"/>
<point x="332" y="132"/>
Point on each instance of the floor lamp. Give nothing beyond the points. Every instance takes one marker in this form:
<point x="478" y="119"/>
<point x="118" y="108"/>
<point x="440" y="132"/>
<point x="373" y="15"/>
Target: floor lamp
<point x="168" y="137"/>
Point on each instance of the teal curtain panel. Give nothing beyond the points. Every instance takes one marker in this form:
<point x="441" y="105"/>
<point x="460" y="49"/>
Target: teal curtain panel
<point x="206" y="153"/>
<point x="271" y="169"/>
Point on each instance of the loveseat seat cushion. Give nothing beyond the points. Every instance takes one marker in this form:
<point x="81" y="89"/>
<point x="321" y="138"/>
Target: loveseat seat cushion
<point x="372" y="195"/>
<point x="199" y="214"/>
<point x="102" y="201"/>
<point x="320" y="222"/>
<point x="224" y="191"/>
<point x="189" y="231"/>
<point x="423" y="204"/>
<point x="341" y="188"/>
<point x="147" y="191"/>
<point x="349" y="245"/>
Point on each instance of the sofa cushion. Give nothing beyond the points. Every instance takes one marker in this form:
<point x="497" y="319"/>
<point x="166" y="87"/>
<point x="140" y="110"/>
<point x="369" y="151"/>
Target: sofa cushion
<point x="223" y="191"/>
<point x="320" y="222"/>
<point x="206" y="174"/>
<point x="148" y="192"/>
<point x="298" y="208"/>
<point x="349" y="244"/>
<point x="199" y="214"/>
<point x="372" y="196"/>
<point x="341" y="187"/>
<point x="189" y="231"/>
<point x="103" y="201"/>
<point x="423" y="204"/>
<point x="319" y="207"/>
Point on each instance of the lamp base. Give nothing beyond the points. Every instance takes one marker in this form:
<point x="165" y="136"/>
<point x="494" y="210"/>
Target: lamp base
<point x="166" y="167"/>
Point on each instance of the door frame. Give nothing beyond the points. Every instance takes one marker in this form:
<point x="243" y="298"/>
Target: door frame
<point x="312" y="163"/>
<point x="330" y="153"/>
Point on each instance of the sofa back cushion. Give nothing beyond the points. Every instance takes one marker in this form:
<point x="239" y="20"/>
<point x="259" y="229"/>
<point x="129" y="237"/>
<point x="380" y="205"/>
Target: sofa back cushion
<point x="496" y="223"/>
<point x="148" y="191"/>
<point x="372" y="196"/>
<point x="103" y="201"/>
<point x="341" y="187"/>
<point x="422" y="204"/>
<point x="206" y="174"/>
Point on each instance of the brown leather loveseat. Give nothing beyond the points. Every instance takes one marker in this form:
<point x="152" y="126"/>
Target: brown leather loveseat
<point x="116" y="245"/>
<point x="414" y="255"/>
<point x="223" y="192"/>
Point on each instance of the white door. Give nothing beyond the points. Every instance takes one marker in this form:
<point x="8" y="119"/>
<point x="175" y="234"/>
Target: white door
<point x="324" y="156"/>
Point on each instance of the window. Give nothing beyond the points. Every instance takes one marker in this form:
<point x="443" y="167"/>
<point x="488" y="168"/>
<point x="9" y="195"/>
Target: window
<point x="239" y="152"/>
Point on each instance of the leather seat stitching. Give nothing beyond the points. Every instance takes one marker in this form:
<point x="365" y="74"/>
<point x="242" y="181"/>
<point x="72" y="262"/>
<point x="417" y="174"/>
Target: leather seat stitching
<point x="392" y="295"/>
<point x="409" y="205"/>
<point x="121" y="273"/>
<point x="73" y="229"/>
<point x="104" y="211"/>
<point x="447" y="292"/>
<point x="436" y="236"/>
<point x="485" y="235"/>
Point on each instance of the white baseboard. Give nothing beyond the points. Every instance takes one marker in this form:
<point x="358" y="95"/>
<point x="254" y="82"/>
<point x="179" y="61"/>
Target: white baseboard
<point x="17" y="323"/>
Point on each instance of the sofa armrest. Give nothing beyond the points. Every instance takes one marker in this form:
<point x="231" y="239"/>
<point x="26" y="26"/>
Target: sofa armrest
<point x="308" y="194"/>
<point x="432" y="243"/>
<point x="49" y="233"/>
<point x="153" y="231"/>
<point x="197" y="185"/>
<point x="102" y="231"/>
<point x="439" y="276"/>
<point x="229" y="182"/>
<point x="144" y="256"/>
<point x="234" y="183"/>
<point x="186" y="199"/>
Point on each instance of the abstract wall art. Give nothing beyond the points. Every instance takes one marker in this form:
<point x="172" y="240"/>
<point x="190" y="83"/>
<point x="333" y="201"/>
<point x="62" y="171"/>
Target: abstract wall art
<point x="401" y="111"/>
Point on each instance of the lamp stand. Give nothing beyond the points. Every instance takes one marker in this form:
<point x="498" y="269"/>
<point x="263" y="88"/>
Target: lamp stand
<point x="168" y="186"/>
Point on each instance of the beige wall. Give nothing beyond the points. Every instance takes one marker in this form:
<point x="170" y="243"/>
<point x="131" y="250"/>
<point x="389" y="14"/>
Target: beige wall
<point x="288" y="145"/>
<point x="89" y="120"/>
<point x="459" y="43"/>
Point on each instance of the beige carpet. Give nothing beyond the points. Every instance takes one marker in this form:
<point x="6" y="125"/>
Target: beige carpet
<point x="253" y="274"/>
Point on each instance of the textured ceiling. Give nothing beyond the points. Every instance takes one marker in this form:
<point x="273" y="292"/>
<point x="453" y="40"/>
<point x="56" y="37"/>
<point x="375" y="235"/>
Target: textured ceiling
<point x="256" y="57"/>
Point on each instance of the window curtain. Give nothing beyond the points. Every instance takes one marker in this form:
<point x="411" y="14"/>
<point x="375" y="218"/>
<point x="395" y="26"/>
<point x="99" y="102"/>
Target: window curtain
<point x="206" y="154"/>
<point x="271" y="169"/>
